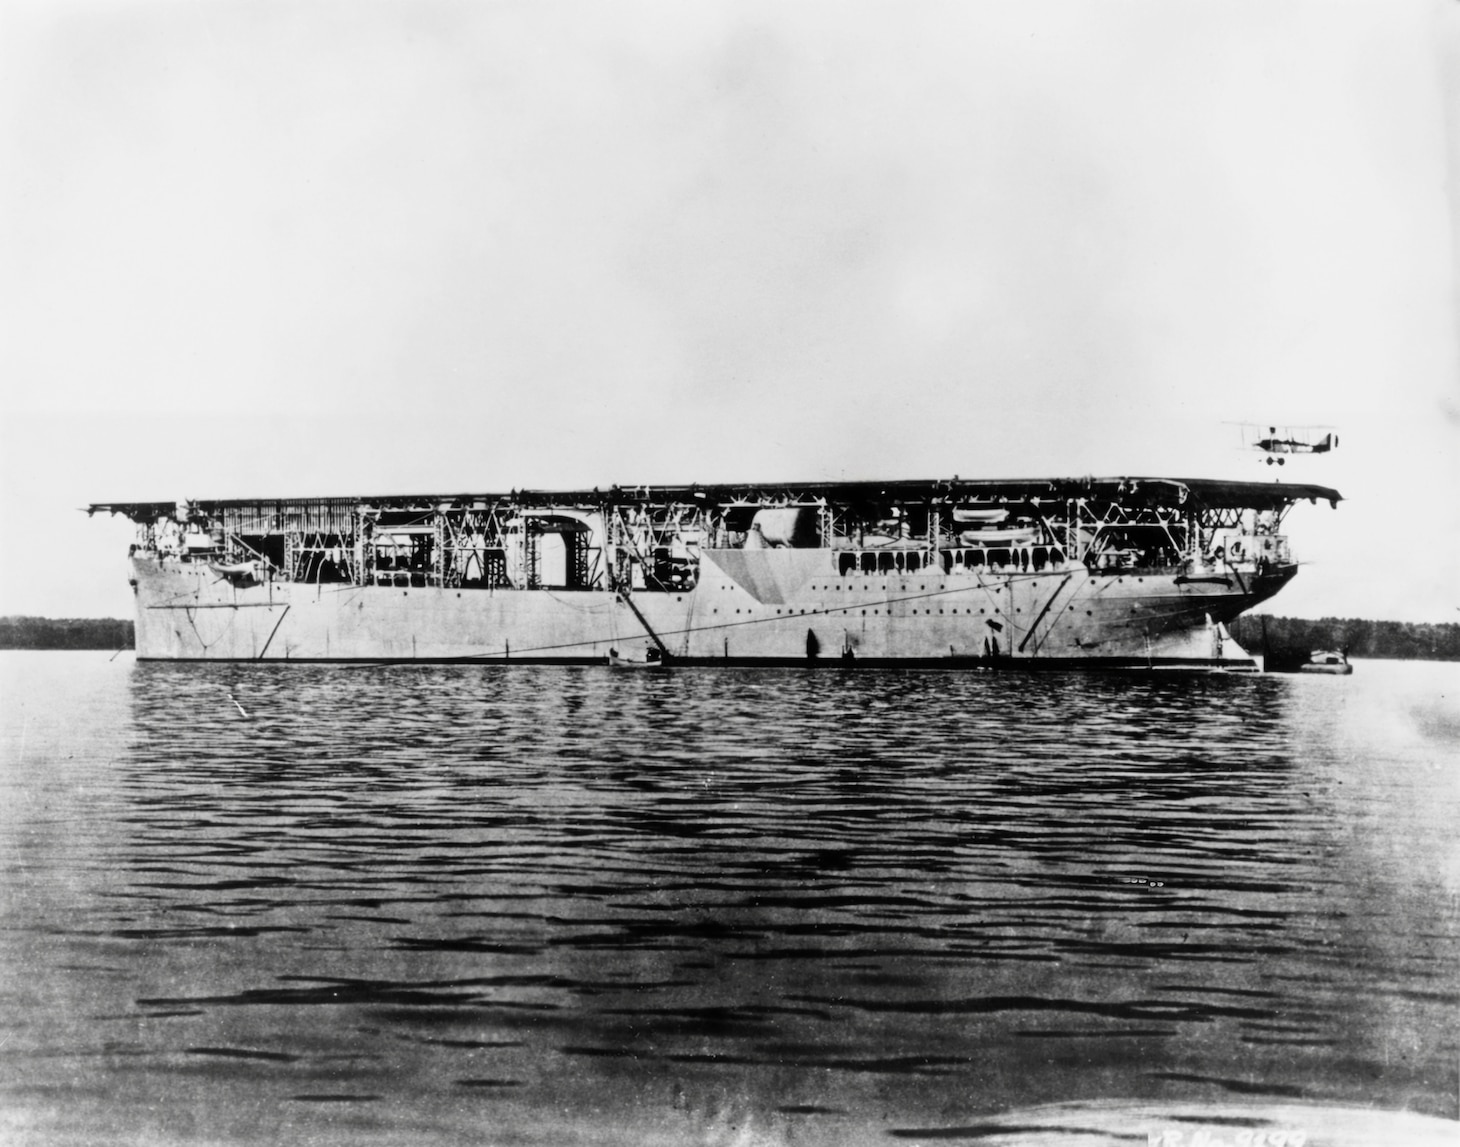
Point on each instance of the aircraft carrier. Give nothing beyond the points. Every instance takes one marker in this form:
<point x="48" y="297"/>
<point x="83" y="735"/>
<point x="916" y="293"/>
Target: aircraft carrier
<point x="1115" y="572"/>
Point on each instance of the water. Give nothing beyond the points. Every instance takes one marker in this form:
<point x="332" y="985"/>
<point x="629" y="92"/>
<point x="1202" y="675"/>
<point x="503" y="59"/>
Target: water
<point x="335" y="904"/>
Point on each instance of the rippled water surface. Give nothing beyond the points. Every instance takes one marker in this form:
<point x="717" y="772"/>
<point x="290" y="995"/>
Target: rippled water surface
<point x="538" y="905"/>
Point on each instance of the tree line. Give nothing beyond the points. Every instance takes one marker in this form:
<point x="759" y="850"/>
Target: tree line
<point x="1400" y="640"/>
<point x="66" y="633"/>
<point x="1281" y="636"/>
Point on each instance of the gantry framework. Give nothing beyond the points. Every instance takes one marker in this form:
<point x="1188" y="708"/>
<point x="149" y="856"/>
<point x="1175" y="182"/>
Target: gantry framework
<point x="651" y="537"/>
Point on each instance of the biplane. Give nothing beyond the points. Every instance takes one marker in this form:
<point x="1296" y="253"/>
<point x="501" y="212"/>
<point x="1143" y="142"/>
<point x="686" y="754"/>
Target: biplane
<point x="1276" y="442"/>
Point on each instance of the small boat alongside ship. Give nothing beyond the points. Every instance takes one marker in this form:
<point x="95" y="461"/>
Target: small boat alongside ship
<point x="1334" y="662"/>
<point x="650" y="658"/>
<point x="1099" y="572"/>
<point x="1286" y="658"/>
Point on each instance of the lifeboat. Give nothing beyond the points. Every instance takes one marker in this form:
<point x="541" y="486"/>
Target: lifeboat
<point x="965" y="516"/>
<point x="1021" y="537"/>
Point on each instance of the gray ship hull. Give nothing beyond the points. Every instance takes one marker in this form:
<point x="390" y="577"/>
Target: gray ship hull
<point x="767" y="607"/>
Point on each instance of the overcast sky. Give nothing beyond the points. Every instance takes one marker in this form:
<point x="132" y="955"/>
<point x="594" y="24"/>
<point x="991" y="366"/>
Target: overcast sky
<point x="332" y="248"/>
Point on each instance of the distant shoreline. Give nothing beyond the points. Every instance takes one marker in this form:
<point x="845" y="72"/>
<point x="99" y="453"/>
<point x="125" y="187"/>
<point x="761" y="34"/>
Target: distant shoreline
<point x="1385" y="640"/>
<point x="67" y="633"/>
<point x="1396" y="640"/>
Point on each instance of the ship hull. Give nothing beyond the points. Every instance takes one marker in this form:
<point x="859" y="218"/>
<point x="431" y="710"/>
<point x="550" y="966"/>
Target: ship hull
<point x="774" y="607"/>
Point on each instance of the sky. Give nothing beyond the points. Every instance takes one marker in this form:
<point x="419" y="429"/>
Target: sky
<point x="317" y="248"/>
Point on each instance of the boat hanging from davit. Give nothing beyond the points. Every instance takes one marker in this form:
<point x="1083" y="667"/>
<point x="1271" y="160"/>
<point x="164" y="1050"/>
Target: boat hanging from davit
<point x="1099" y="572"/>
